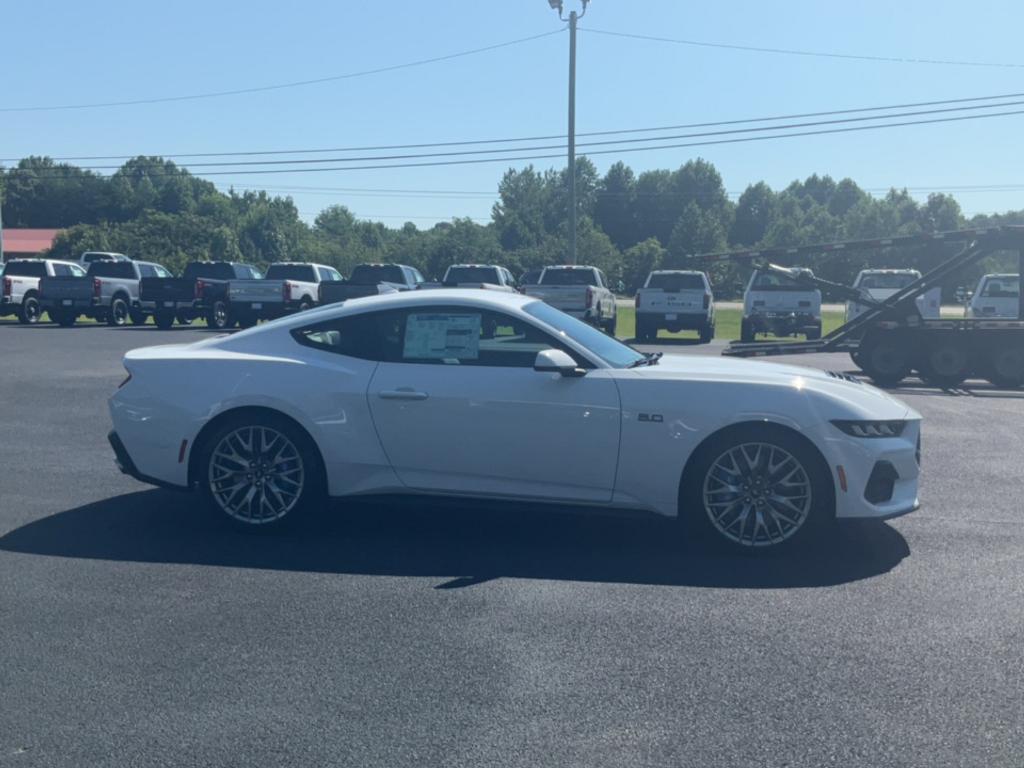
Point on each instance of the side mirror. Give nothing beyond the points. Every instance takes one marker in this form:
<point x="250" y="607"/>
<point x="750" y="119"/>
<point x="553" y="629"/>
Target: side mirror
<point x="556" y="361"/>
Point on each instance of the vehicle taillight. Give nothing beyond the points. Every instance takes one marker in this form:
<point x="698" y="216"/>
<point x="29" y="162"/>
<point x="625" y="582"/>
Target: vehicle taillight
<point x="590" y="297"/>
<point x="200" y="287"/>
<point x="7" y="286"/>
<point x="707" y="301"/>
<point x="96" y="287"/>
<point x="287" y="288"/>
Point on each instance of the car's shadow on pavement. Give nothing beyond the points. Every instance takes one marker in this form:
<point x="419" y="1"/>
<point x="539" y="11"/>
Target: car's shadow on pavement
<point x="461" y="543"/>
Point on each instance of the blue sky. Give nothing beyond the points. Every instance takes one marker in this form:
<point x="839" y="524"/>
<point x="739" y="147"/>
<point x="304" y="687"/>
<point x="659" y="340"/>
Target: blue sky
<point x="70" y="53"/>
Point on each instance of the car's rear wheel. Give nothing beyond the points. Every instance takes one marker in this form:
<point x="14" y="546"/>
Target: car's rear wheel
<point x="218" y="317"/>
<point x="30" y="311"/>
<point x="163" y="320"/>
<point x="746" y="332"/>
<point x="757" y="488"/>
<point x="885" y="358"/>
<point x="260" y="472"/>
<point x="1006" y="366"/>
<point x="118" y="313"/>
<point x="64" y="319"/>
<point x="138" y="317"/>
<point x="707" y="333"/>
<point x="610" y="325"/>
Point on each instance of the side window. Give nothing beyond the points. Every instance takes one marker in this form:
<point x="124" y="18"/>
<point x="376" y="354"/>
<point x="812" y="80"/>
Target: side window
<point x="467" y="336"/>
<point x="146" y="270"/>
<point x="369" y="336"/>
<point x="417" y="277"/>
<point x="323" y="273"/>
<point x="603" y="280"/>
<point x="160" y="271"/>
<point x="61" y="270"/>
<point x="76" y="270"/>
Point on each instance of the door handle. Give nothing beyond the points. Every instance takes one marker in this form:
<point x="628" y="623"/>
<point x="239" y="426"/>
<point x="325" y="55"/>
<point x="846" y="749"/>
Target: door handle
<point x="402" y="393"/>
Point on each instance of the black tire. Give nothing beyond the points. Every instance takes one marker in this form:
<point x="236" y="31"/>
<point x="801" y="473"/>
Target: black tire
<point x="219" y="316"/>
<point x="118" y="314"/>
<point x="816" y="509"/>
<point x="64" y="319"/>
<point x="163" y="320"/>
<point x="310" y="496"/>
<point x="610" y="325"/>
<point x="707" y="333"/>
<point x="138" y="317"/>
<point x="1005" y="366"/>
<point x="886" y="358"/>
<point x="247" y="320"/>
<point x="946" y="363"/>
<point x="747" y="334"/>
<point x="813" y="334"/>
<point x="30" y="311"/>
<point x="183" y="319"/>
<point x="306" y="303"/>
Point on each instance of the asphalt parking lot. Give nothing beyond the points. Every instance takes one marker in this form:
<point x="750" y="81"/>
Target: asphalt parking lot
<point x="134" y="630"/>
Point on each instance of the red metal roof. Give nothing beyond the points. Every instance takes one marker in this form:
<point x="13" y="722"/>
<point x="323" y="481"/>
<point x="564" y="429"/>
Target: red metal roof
<point x="28" y="240"/>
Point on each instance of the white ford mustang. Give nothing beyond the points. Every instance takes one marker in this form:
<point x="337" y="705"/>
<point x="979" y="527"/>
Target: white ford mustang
<point x="489" y="394"/>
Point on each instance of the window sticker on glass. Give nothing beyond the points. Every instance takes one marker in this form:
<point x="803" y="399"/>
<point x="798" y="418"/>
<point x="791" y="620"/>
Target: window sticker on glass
<point x="442" y="336"/>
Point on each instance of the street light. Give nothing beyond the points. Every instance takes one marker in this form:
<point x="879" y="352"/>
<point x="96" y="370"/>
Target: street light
<point x="573" y="18"/>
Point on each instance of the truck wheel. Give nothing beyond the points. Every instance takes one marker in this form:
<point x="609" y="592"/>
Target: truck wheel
<point x="118" y="313"/>
<point x="163" y="320"/>
<point x="306" y="303"/>
<point x="138" y="317"/>
<point x="643" y="333"/>
<point x="1006" y="366"/>
<point x="183" y="320"/>
<point x="247" y="321"/>
<point x="707" y="333"/>
<point x="218" y="317"/>
<point x="30" y="310"/>
<point x="746" y="332"/>
<point x="813" y="334"/>
<point x="946" y="363"/>
<point x="64" y="319"/>
<point x="885" y="359"/>
<point x="609" y="326"/>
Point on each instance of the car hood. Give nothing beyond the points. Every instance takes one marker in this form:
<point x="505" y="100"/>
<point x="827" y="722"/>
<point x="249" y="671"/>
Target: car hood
<point x="856" y="394"/>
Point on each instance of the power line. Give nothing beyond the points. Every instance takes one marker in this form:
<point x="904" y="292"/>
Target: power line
<point x="476" y="142"/>
<point x="627" y="150"/>
<point x="545" y="147"/>
<point x="797" y="52"/>
<point x="282" y="86"/>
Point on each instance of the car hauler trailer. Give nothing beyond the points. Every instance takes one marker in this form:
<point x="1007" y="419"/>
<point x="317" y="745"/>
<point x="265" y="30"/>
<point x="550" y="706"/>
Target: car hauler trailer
<point x="891" y="338"/>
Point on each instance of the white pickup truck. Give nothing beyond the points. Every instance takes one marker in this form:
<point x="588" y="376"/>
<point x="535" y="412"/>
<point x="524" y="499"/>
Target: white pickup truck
<point x="775" y="304"/>
<point x="19" y="287"/>
<point x="997" y="295"/>
<point x="288" y="286"/>
<point x="676" y="300"/>
<point x="489" y="276"/>
<point x="880" y="284"/>
<point x="579" y="291"/>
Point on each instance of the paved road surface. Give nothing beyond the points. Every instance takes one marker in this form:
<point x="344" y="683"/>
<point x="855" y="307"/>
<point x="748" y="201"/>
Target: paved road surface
<point x="136" y="631"/>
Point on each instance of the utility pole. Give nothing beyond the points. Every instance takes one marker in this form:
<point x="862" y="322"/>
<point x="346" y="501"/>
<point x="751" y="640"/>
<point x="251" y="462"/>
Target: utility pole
<point x="573" y="18"/>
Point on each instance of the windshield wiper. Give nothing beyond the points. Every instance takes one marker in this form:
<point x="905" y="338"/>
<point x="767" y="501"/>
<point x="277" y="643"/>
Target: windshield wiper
<point x="649" y="358"/>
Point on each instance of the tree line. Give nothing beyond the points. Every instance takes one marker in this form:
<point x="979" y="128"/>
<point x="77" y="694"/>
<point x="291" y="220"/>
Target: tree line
<point x="629" y="223"/>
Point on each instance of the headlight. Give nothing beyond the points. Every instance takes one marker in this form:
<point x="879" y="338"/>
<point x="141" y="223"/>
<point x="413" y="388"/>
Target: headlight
<point x="871" y="428"/>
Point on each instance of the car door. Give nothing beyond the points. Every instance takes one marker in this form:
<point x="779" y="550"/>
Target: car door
<point x="459" y="408"/>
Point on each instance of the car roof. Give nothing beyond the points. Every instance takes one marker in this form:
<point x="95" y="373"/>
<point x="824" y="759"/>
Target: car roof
<point x="676" y="272"/>
<point x="895" y="271"/>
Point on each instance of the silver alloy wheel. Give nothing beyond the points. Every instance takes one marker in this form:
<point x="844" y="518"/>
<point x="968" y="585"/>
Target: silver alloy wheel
<point x="256" y="474"/>
<point x="757" y="494"/>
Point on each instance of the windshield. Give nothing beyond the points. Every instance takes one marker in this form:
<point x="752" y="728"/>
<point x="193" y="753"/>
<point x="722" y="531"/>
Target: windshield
<point x="472" y="275"/>
<point x="611" y="350"/>
<point x="1001" y="288"/>
<point x="568" y="277"/>
<point x="770" y="281"/>
<point x="676" y="282"/>
<point x="887" y="281"/>
<point x="371" y="274"/>
<point x="302" y="272"/>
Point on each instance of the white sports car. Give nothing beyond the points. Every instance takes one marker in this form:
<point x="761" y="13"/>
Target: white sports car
<point x="488" y="394"/>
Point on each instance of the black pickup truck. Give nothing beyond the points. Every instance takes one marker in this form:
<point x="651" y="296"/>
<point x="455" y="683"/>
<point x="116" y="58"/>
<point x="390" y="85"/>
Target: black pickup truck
<point x="369" y="280"/>
<point x="201" y="291"/>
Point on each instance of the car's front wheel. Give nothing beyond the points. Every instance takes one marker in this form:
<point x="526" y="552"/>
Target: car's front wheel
<point x="757" y="488"/>
<point x="260" y="472"/>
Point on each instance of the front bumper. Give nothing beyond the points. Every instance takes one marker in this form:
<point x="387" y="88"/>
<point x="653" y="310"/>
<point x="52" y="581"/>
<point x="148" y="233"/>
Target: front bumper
<point x="881" y="474"/>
